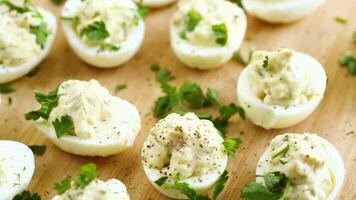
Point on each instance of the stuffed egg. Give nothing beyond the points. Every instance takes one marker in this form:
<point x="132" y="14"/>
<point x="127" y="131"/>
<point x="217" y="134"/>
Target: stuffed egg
<point x="313" y="166"/>
<point x="206" y="33"/>
<point x="26" y="37"/>
<point x="82" y="117"/>
<point x="281" y="11"/>
<point x="281" y="88"/>
<point x="103" y="33"/>
<point x="184" y="148"/>
<point x="17" y="165"/>
<point x="155" y="3"/>
<point x="90" y="187"/>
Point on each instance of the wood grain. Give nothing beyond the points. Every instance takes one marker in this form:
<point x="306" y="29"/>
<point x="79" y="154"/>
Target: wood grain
<point x="318" y="35"/>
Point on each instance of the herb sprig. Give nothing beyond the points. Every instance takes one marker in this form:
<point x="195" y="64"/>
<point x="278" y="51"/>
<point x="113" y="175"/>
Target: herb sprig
<point x="26" y="195"/>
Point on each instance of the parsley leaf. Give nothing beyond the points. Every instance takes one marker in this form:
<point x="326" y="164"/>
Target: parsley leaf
<point x="162" y="74"/>
<point x="16" y="8"/>
<point x="58" y="2"/>
<point x="63" y="126"/>
<point x="231" y="145"/>
<point x="200" y="115"/>
<point x="282" y="152"/>
<point x="38" y="149"/>
<point x="212" y="97"/>
<point x="193" y="94"/>
<point x="220" y="184"/>
<point x="86" y="175"/>
<point x="161" y="180"/>
<point x="62" y="186"/>
<point x="265" y="62"/>
<point x="143" y="11"/>
<point x="120" y="87"/>
<point x="95" y="33"/>
<point x="6" y="89"/>
<point x="26" y="195"/>
<point x="194" y="18"/>
<point x="349" y="60"/>
<point x="226" y="112"/>
<point x="165" y="104"/>
<point x="47" y="101"/>
<point x="340" y="20"/>
<point x="275" y="188"/>
<point x="221" y="33"/>
<point x="41" y="32"/>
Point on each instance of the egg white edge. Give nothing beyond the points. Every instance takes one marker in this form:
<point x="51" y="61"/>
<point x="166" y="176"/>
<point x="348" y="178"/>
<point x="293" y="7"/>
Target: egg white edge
<point x="281" y="12"/>
<point x="30" y="168"/>
<point x="8" y="74"/>
<point x="337" y="166"/>
<point x="265" y="115"/>
<point x="104" y="59"/>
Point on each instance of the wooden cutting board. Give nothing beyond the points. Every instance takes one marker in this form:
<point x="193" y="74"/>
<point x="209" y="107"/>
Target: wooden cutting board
<point x="318" y="35"/>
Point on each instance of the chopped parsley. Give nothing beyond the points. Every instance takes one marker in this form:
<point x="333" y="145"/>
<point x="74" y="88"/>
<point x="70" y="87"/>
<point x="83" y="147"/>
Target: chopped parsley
<point x="265" y="62"/>
<point x="221" y="33"/>
<point x="120" y="87"/>
<point x="349" y="60"/>
<point x="47" y="101"/>
<point x="86" y="175"/>
<point x="95" y="35"/>
<point x="200" y="115"/>
<point x="58" y="2"/>
<point x="231" y="145"/>
<point x="162" y="74"/>
<point x="38" y="149"/>
<point x="143" y="10"/>
<point x="340" y="20"/>
<point x="275" y="187"/>
<point x="63" y="126"/>
<point x="238" y="2"/>
<point x="16" y="8"/>
<point x="194" y="18"/>
<point x="41" y="32"/>
<point x="191" y="194"/>
<point x="226" y="112"/>
<point x="26" y="195"/>
<point x="6" y="89"/>
<point x="282" y="152"/>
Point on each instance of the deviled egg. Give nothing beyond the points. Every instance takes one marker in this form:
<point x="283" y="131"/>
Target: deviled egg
<point x="187" y="148"/>
<point x="155" y="3"/>
<point x="313" y="166"/>
<point x="91" y="188"/>
<point x="103" y="33"/>
<point x="281" y="88"/>
<point x="281" y="11"/>
<point x="17" y="165"/>
<point x="26" y="37"/>
<point x="206" y="33"/>
<point x="82" y="117"/>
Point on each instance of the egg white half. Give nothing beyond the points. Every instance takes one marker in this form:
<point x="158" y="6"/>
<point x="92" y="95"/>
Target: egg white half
<point x="17" y="165"/>
<point x="93" y="146"/>
<point x="104" y="59"/>
<point x="275" y="117"/>
<point x="208" y="57"/>
<point x="114" y="186"/>
<point x="157" y="3"/>
<point x="281" y="11"/>
<point x="336" y="166"/>
<point x="8" y="74"/>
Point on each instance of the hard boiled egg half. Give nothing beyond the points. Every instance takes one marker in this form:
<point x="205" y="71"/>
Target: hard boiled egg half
<point x="187" y="147"/>
<point x="103" y="33"/>
<point x="17" y="165"/>
<point x="83" y="118"/>
<point x="281" y="11"/>
<point x="206" y="33"/>
<point x="155" y="3"/>
<point x="313" y="166"/>
<point x="281" y="88"/>
<point x="26" y="38"/>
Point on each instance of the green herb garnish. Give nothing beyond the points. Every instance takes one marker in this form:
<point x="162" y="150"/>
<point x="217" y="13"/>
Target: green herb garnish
<point x="231" y="145"/>
<point x="63" y="126"/>
<point x="47" y="101"/>
<point x="120" y="87"/>
<point x="62" y="186"/>
<point x="26" y="195"/>
<point x="340" y="20"/>
<point x="194" y="18"/>
<point x="282" y="152"/>
<point x="275" y="187"/>
<point x="58" y="2"/>
<point x="38" y="149"/>
<point x="265" y="62"/>
<point x="349" y="60"/>
<point x="6" y="89"/>
<point x="226" y="112"/>
<point x="41" y="32"/>
<point x="221" y="34"/>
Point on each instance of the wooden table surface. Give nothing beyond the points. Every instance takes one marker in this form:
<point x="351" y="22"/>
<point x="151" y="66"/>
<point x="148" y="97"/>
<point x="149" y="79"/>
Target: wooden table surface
<point x="318" y="35"/>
